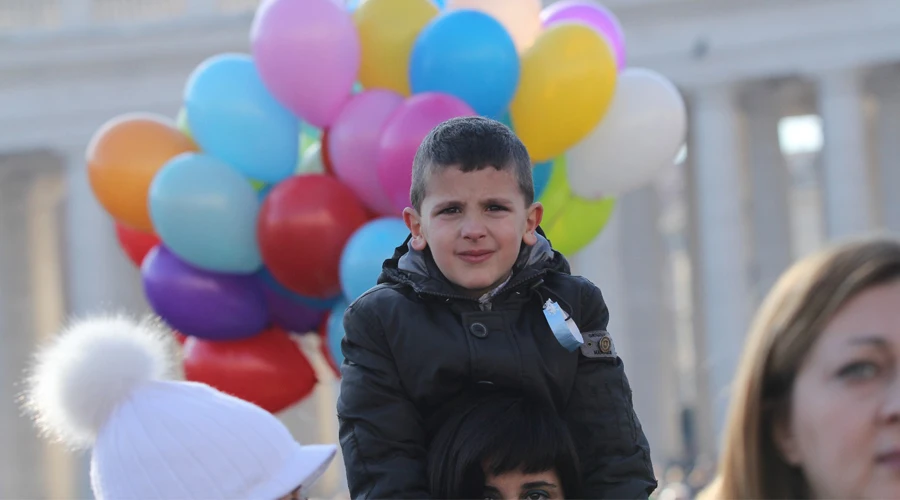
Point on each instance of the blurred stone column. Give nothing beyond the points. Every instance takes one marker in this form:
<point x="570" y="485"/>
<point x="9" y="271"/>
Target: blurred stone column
<point x="886" y="85"/>
<point x="769" y="186"/>
<point x="845" y="155"/>
<point x="716" y="153"/>
<point x="651" y="324"/>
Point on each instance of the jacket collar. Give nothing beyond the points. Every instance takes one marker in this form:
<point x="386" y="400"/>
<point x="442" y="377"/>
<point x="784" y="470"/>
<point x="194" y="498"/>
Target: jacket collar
<point x="418" y="269"/>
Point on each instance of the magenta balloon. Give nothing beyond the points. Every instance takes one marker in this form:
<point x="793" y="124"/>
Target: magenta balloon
<point x="403" y="133"/>
<point x="592" y="14"/>
<point x="203" y="304"/>
<point x="307" y="52"/>
<point x="353" y="143"/>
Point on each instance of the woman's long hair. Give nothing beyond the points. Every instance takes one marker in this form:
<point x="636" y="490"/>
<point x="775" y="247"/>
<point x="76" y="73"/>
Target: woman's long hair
<point x="499" y="433"/>
<point x="785" y="329"/>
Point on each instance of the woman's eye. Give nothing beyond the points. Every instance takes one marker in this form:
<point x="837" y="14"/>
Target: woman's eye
<point x="537" y="495"/>
<point x="859" y="370"/>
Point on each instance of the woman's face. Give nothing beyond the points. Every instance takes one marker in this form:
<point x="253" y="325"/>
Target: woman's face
<point x="844" y="426"/>
<point x="516" y="485"/>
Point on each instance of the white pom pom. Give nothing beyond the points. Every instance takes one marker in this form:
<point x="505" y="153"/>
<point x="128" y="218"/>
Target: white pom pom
<point x="91" y="367"/>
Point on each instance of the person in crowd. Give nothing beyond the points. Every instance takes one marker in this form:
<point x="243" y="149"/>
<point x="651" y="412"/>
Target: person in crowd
<point x="815" y="407"/>
<point x="477" y="295"/>
<point x="503" y="446"/>
<point x="103" y="384"/>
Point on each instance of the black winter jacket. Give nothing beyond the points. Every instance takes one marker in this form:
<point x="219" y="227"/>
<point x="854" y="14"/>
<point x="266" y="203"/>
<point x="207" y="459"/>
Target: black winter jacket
<point x="412" y="344"/>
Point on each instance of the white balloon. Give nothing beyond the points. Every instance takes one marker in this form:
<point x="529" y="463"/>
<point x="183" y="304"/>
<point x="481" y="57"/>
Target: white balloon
<point x="641" y="134"/>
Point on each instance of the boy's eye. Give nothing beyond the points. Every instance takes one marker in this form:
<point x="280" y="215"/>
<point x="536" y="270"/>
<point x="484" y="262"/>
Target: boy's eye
<point x="496" y="208"/>
<point x="450" y="210"/>
<point x="858" y="371"/>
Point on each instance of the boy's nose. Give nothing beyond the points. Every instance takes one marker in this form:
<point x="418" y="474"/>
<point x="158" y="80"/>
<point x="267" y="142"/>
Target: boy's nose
<point x="473" y="229"/>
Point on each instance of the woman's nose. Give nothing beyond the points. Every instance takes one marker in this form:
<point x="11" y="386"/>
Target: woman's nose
<point x="891" y="409"/>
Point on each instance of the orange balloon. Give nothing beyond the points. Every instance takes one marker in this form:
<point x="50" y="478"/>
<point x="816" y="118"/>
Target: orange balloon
<point x="124" y="156"/>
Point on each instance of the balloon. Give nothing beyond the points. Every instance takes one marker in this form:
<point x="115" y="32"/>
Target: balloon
<point x="308" y="53"/>
<point x="335" y="329"/>
<point x="234" y="118"/>
<point x="136" y="244"/>
<point x="303" y="226"/>
<point x="641" y="134"/>
<point x="366" y="251"/>
<point x="295" y="315"/>
<point x="458" y="45"/>
<point x="124" y="155"/>
<point x="387" y="31"/>
<point x="569" y="221"/>
<point x="404" y="131"/>
<point x="541" y="176"/>
<point x="270" y="283"/>
<point x="205" y="212"/>
<point x="594" y="15"/>
<point x="325" y="348"/>
<point x="202" y="304"/>
<point x="521" y="18"/>
<point x="353" y="142"/>
<point x="352" y="5"/>
<point x="567" y="83"/>
<point x="182" y="123"/>
<point x="268" y="369"/>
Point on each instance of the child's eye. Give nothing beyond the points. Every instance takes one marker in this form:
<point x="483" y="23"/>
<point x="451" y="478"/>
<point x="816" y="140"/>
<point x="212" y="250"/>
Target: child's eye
<point x="497" y="208"/>
<point x="450" y="210"/>
<point x="858" y="370"/>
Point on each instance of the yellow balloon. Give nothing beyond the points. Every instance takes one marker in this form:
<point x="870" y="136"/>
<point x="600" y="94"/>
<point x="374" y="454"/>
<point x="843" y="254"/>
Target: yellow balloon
<point x="566" y="85"/>
<point x="387" y="32"/>
<point x="521" y="18"/>
<point x="571" y="222"/>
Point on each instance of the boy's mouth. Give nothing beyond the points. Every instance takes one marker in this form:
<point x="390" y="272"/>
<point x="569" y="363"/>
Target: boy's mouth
<point x="475" y="256"/>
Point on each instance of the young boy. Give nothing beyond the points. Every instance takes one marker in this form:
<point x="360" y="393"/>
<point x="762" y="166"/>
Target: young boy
<point x="478" y="296"/>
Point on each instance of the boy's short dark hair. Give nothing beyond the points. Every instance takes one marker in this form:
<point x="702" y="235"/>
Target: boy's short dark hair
<point x="471" y="143"/>
<point x="500" y="432"/>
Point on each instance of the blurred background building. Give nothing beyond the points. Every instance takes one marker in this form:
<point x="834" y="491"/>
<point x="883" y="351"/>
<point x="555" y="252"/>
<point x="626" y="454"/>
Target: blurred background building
<point x="794" y="142"/>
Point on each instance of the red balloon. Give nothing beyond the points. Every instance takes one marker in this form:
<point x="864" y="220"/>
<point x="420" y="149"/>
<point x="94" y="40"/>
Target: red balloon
<point x="136" y="244"/>
<point x="323" y="346"/>
<point x="268" y="370"/>
<point x="303" y="227"/>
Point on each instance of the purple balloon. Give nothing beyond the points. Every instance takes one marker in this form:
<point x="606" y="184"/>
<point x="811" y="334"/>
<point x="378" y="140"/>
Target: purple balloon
<point x="291" y="314"/>
<point x="203" y="304"/>
<point x="592" y="14"/>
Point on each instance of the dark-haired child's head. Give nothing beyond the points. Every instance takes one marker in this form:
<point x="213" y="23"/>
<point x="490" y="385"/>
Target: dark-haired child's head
<point x="473" y="201"/>
<point x="501" y="446"/>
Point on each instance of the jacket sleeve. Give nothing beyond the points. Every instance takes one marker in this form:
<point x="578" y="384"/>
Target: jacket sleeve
<point x="381" y="431"/>
<point x="612" y="448"/>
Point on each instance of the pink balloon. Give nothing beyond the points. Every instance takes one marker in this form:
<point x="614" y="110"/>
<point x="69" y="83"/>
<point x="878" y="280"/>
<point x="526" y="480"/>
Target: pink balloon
<point x="353" y="142"/>
<point x="404" y="131"/>
<point x="592" y="14"/>
<point x="307" y="52"/>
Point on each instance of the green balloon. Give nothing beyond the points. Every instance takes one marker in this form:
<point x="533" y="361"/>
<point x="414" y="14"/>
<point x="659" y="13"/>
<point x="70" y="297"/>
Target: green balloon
<point x="571" y="222"/>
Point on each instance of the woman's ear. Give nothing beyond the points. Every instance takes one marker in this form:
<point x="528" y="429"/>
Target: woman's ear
<point x="533" y="218"/>
<point x="414" y="223"/>
<point x="783" y="435"/>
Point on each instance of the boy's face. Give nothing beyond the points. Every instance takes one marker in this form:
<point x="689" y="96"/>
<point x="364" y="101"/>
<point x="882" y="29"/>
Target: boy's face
<point x="474" y="223"/>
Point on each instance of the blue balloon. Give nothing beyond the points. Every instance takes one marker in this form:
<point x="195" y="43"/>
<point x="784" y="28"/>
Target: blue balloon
<point x="205" y="212"/>
<point x="233" y="117"/>
<point x="467" y="54"/>
<point x="366" y="251"/>
<point x="334" y="329"/>
<point x="541" y="175"/>
<point x="269" y="281"/>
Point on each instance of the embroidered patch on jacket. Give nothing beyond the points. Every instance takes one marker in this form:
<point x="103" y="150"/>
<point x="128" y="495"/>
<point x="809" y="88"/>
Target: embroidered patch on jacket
<point x="598" y="344"/>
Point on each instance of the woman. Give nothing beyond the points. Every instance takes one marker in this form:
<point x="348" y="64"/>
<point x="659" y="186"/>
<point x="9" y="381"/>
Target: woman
<point x="503" y="446"/>
<point x="815" y="409"/>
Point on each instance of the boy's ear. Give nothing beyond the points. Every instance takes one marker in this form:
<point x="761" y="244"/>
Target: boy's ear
<point x="532" y="220"/>
<point x="414" y="223"/>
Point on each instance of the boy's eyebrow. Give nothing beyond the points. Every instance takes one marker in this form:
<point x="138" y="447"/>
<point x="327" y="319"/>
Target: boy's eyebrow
<point x="496" y="201"/>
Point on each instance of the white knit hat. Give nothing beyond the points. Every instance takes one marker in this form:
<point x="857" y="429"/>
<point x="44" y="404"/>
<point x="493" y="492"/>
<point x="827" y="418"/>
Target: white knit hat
<point x="102" y="384"/>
